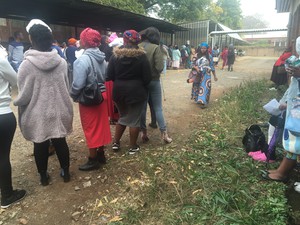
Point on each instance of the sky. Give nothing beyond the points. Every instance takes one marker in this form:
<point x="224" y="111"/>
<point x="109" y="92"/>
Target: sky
<point x="266" y="8"/>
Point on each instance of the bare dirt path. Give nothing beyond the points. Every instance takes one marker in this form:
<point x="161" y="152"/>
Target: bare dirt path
<point x="66" y="203"/>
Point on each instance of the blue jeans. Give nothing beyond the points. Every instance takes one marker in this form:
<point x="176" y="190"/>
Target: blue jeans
<point x="165" y="67"/>
<point x="156" y="96"/>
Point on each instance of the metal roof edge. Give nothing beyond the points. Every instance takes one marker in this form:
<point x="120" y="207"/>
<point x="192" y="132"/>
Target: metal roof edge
<point x="248" y="31"/>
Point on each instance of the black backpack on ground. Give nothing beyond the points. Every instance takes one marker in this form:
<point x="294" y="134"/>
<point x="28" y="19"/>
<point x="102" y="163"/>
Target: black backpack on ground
<point x="254" y="139"/>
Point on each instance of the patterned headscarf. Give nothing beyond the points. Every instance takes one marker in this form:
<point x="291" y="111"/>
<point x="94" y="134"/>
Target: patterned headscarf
<point x="204" y="44"/>
<point x="90" y="38"/>
<point x="131" y="36"/>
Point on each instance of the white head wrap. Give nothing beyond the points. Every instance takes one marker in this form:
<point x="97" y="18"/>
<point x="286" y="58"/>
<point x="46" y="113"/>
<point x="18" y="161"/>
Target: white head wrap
<point x="35" y="22"/>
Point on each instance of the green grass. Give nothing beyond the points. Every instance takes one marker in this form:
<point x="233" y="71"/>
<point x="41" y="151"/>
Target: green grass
<point x="210" y="179"/>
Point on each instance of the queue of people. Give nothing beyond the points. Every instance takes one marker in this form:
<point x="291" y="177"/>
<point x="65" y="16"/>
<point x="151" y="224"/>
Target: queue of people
<point x="45" y="110"/>
<point x="127" y="76"/>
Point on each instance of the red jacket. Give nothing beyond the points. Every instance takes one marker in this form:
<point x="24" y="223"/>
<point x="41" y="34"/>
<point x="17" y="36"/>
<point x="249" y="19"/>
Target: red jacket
<point x="224" y="54"/>
<point x="282" y="58"/>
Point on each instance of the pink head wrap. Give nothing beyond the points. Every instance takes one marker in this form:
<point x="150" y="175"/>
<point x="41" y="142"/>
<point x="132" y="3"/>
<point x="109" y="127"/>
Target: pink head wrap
<point x="112" y="37"/>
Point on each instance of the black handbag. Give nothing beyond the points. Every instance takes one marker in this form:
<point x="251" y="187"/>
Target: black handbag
<point x="91" y="94"/>
<point x="281" y="69"/>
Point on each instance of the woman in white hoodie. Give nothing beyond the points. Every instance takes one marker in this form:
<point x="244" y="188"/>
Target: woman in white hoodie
<point x="8" y="78"/>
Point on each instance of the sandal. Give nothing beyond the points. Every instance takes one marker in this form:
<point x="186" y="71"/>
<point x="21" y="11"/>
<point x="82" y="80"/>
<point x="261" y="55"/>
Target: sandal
<point x="266" y="176"/>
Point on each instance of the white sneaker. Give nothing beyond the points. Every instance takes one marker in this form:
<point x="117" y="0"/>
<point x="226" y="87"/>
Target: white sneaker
<point x="165" y="137"/>
<point x="297" y="187"/>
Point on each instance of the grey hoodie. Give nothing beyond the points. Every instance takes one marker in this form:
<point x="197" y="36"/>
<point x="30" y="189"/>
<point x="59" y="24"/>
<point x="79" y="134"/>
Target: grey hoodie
<point x="83" y="71"/>
<point x="45" y="107"/>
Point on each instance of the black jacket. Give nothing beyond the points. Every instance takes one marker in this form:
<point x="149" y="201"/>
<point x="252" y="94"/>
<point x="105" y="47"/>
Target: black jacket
<point x="130" y="70"/>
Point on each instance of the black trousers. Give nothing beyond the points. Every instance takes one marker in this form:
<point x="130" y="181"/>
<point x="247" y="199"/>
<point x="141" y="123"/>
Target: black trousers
<point x="8" y="125"/>
<point x="41" y="153"/>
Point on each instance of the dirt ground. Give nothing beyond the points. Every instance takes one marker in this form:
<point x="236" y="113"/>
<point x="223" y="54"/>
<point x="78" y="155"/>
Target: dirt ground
<point x="66" y="203"/>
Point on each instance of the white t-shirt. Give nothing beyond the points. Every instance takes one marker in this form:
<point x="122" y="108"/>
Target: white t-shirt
<point x="8" y="78"/>
<point x="3" y="52"/>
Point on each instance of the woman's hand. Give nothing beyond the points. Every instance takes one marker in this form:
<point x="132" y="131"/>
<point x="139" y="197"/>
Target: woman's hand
<point x="293" y="71"/>
<point x="196" y="68"/>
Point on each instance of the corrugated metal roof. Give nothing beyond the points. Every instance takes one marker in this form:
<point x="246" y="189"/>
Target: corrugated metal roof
<point x="228" y="30"/>
<point x="80" y="13"/>
<point x="247" y="31"/>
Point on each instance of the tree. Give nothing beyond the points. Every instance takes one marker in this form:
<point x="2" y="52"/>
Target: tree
<point x="213" y="12"/>
<point x="254" y="21"/>
<point x="127" y="5"/>
<point x="227" y="12"/>
<point x="175" y="11"/>
<point x="232" y="13"/>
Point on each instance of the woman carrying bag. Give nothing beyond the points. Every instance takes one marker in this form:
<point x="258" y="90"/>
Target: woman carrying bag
<point x="94" y="118"/>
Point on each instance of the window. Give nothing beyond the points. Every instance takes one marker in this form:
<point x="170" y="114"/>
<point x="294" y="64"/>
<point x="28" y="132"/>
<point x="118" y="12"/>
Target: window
<point x="3" y="22"/>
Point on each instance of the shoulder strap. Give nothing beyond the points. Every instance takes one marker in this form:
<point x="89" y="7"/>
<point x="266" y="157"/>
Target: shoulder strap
<point x="94" y="71"/>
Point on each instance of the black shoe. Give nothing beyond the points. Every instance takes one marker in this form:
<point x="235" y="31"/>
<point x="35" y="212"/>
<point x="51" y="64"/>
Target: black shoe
<point x="101" y="157"/>
<point x="116" y="146"/>
<point x="91" y="164"/>
<point x="153" y="125"/>
<point x="44" y="178"/>
<point x="134" y="150"/>
<point x="65" y="174"/>
<point x="16" y="196"/>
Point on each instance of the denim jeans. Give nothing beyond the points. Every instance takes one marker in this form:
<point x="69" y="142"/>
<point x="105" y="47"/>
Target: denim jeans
<point x="156" y="96"/>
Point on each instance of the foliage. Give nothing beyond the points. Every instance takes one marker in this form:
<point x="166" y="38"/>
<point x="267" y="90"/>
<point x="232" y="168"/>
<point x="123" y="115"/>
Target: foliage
<point x="227" y="12"/>
<point x="181" y="10"/>
<point x="232" y="13"/>
<point x="254" y="21"/>
<point x="209" y="179"/>
<point x="127" y="5"/>
<point x="213" y="12"/>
